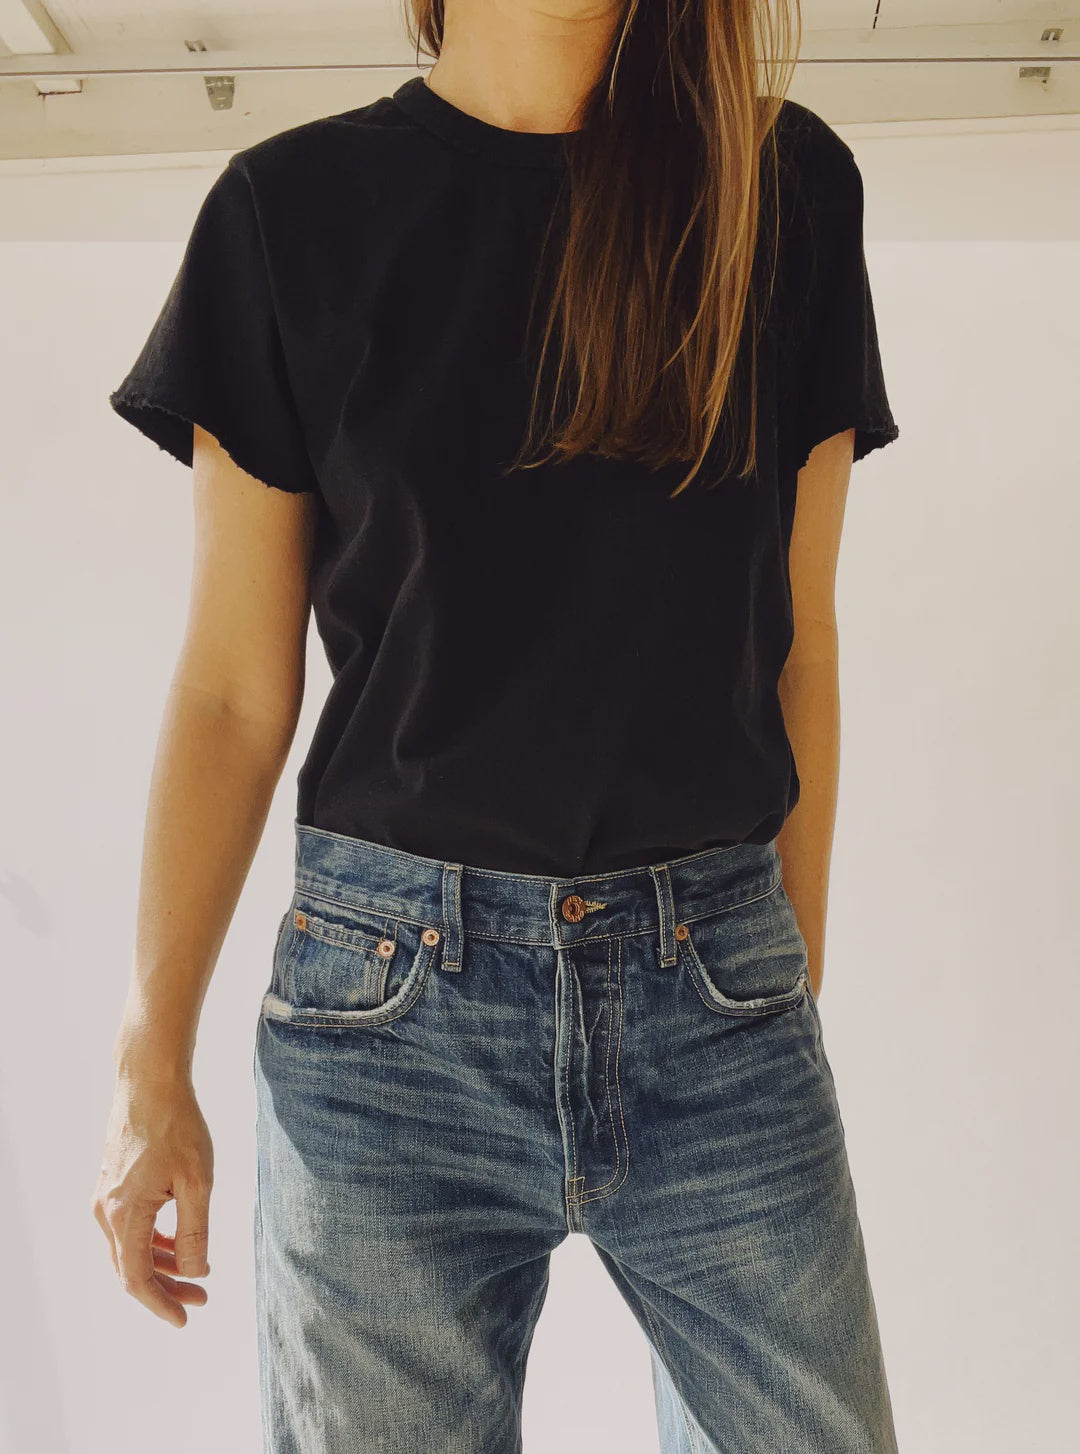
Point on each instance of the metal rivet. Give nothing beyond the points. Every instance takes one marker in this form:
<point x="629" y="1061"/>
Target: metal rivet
<point x="300" y="920"/>
<point x="430" y="936"/>
<point x="681" y="931"/>
<point x="385" y="947"/>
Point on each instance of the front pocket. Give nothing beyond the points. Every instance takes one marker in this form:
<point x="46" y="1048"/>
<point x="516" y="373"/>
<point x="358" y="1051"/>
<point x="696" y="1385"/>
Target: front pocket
<point x="347" y="964"/>
<point x="749" y="959"/>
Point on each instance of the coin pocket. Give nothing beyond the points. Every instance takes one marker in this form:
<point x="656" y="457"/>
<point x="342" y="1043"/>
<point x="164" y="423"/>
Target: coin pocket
<point x="340" y="963"/>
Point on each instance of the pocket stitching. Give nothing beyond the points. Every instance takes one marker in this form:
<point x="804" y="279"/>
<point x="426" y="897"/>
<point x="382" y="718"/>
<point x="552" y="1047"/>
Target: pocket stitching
<point x="275" y="1008"/>
<point x="715" y="1000"/>
<point x="339" y="935"/>
<point x="284" y="971"/>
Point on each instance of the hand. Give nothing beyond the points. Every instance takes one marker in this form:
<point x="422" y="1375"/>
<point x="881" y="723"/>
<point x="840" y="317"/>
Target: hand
<point x="157" y="1149"/>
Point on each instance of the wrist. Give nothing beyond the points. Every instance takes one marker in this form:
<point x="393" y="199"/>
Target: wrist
<point x="141" y="1058"/>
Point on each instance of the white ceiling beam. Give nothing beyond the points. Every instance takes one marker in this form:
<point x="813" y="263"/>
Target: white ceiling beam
<point x="1007" y="44"/>
<point x="58" y="85"/>
<point x="25" y="28"/>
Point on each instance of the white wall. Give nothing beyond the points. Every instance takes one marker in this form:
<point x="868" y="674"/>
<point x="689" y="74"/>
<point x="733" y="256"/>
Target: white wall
<point x="949" y="1002"/>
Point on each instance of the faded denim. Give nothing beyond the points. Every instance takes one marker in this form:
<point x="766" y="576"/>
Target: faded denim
<point x="455" y="1068"/>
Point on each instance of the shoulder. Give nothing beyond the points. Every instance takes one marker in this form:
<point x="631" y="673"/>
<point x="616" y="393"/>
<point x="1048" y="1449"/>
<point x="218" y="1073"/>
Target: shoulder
<point x="818" y="174"/>
<point x="327" y="148"/>
<point x="820" y="188"/>
<point x="820" y="191"/>
<point x="808" y="141"/>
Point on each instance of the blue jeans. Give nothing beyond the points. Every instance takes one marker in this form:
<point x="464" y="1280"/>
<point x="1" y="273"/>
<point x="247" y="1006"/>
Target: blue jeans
<point x="455" y="1068"/>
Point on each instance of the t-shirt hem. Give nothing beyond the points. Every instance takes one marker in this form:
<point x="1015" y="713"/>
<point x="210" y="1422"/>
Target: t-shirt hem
<point x="868" y="437"/>
<point x="170" y="426"/>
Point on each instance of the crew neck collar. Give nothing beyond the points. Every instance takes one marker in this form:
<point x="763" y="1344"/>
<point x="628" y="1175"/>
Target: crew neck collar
<point x="528" y="148"/>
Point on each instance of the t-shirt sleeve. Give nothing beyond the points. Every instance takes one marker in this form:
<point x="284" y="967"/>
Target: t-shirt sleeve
<point x="214" y="355"/>
<point x="841" y="382"/>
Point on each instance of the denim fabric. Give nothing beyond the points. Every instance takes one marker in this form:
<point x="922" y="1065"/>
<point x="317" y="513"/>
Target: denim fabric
<point x="455" y="1068"/>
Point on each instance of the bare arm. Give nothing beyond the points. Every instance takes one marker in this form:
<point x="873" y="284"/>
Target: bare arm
<point x="809" y="689"/>
<point x="227" y="727"/>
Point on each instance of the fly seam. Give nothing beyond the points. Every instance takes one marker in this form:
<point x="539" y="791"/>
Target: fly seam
<point x="616" y="1180"/>
<point x="566" y="1082"/>
<point x="599" y="1190"/>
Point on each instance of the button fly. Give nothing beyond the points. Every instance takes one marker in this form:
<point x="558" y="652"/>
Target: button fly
<point x="573" y="908"/>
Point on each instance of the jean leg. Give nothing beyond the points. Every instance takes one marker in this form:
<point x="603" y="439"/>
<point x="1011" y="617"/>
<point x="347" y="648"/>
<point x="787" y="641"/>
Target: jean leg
<point x="400" y="1274"/>
<point x="735" y="1241"/>
<point x="679" y="1432"/>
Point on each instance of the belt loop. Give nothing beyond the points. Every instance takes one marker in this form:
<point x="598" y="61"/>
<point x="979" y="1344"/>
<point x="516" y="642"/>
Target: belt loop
<point x="665" y="903"/>
<point x="451" y="902"/>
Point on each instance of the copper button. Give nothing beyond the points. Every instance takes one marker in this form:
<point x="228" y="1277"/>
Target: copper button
<point x="681" y="931"/>
<point x="573" y="908"/>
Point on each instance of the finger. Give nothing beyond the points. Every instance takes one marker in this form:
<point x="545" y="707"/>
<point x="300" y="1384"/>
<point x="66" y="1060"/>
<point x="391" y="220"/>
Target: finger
<point x="103" y="1222"/>
<point x="134" y="1235"/>
<point x="192" y="1227"/>
<point x="164" y="1243"/>
<point x="164" y="1260"/>
<point x="185" y="1292"/>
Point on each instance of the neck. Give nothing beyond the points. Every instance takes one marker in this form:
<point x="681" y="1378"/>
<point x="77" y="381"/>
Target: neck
<point x="516" y="65"/>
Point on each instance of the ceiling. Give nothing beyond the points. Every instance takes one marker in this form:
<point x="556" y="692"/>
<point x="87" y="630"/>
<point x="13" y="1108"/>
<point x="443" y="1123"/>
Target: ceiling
<point x="107" y="79"/>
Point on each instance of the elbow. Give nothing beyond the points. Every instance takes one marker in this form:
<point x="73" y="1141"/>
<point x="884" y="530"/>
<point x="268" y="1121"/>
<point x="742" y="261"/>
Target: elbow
<point x="816" y="643"/>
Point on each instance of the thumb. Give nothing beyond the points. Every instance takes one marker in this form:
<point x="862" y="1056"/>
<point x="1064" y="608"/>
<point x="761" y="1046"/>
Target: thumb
<point x="192" y="1228"/>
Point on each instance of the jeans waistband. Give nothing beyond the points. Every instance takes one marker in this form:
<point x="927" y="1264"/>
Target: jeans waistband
<point x="537" y="909"/>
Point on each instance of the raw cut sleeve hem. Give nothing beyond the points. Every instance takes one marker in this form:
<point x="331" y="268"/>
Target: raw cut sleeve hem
<point x="170" y="426"/>
<point x="868" y="437"/>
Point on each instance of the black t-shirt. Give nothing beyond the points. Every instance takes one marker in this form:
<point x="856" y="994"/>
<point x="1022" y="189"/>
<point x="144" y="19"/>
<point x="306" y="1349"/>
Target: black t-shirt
<point x="559" y="671"/>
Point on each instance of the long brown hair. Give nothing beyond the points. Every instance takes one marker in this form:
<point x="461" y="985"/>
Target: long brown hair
<point x="655" y="279"/>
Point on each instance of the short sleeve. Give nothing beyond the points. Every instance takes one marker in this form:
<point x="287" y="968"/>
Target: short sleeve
<point x="214" y="355"/>
<point x="841" y="382"/>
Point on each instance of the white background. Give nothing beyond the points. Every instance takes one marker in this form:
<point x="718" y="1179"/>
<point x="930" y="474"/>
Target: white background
<point x="950" y="1005"/>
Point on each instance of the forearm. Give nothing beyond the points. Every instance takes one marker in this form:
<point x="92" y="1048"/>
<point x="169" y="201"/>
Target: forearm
<point x="810" y="697"/>
<point x="212" y="784"/>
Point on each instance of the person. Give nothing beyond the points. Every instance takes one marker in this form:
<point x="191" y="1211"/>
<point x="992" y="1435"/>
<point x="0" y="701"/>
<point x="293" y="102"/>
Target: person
<point x="539" y="381"/>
